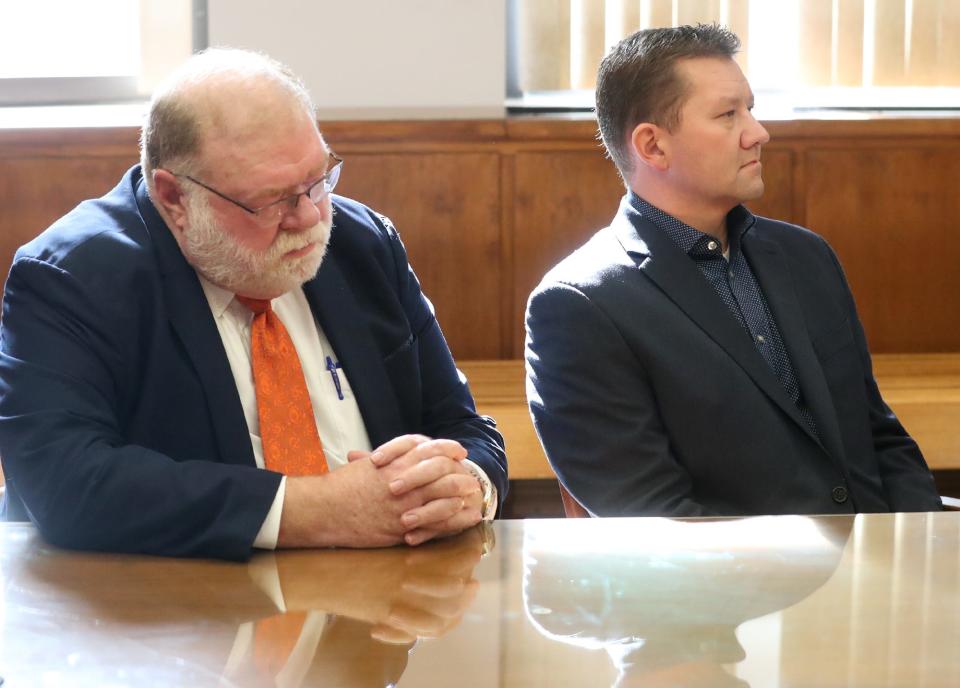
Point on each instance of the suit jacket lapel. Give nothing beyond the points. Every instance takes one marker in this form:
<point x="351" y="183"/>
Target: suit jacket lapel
<point x="191" y="319"/>
<point x="679" y="278"/>
<point x="335" y="307"/>
<point x="776" y="280"/>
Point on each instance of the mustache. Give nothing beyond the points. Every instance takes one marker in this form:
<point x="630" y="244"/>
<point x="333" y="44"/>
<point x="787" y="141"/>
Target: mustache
<point x="293" y="241"/>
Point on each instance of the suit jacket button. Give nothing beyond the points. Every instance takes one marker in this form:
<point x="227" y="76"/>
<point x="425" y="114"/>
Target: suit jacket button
<point x="839" y="494"/>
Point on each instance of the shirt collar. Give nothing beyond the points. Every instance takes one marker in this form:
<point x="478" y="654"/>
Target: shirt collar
<point x="692" y="241"/>
<point x="218" y="297"/>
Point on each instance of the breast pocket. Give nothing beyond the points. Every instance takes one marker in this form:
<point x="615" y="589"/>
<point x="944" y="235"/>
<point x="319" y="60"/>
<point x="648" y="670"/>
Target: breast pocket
<point x="400" y="351"/>
<point x="346" y="391"/>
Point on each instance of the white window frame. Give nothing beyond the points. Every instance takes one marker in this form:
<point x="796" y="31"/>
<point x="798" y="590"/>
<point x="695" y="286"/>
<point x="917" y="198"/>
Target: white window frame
<point x="47" y="91"/>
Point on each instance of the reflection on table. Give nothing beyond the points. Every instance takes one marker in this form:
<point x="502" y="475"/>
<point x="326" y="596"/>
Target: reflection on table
<point x="288" y="619"/>
<point x="772" y="601"/>
<point x="665" y="604"/>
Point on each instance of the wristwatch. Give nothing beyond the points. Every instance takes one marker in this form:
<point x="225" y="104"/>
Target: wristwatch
<point x="489" y="500"/>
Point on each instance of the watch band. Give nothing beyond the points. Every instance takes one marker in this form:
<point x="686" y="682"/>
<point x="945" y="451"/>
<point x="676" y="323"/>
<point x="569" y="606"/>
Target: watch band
<point x="489" y="499"/>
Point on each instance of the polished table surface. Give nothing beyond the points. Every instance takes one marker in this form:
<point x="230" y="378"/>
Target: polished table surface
<point x="769" y="601"/>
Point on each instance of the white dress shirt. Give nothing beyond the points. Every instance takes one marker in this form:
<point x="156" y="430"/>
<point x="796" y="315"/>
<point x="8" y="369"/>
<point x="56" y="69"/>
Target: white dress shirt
<point x="339" y="422"/>
<point x="264" y="573"/>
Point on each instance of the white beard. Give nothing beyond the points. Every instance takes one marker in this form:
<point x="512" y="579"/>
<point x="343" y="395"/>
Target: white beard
<point x="224" y="261"/>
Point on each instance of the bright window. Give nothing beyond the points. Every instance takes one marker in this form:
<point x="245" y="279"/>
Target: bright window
<point x="797" y="53"/>
<point x="49" y="38"/>
<point x="70" y="51"/>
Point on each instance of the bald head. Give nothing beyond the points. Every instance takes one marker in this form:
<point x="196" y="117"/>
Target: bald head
<point x="218" y="98"/>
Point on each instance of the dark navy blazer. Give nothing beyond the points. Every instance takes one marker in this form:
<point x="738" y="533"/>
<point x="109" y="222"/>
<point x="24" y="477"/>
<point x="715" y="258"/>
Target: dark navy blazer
<point x="651" y="399"/>
<point x="120" y="424"/>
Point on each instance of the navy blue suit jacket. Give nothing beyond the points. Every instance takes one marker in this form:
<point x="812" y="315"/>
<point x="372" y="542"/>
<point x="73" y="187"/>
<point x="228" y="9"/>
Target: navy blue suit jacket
<point x="120" y="423"/>
<point x="650" y="398"/>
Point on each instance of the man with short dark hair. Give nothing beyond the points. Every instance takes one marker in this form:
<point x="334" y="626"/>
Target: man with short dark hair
<point x="220" y="355"/>
<point x="692" y="359"/>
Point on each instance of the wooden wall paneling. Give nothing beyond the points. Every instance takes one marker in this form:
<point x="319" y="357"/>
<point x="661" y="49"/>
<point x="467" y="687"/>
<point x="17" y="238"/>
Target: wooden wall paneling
<point x="37" y="190"/>
<point x="554" y="130"/>
<point x="799" y="186"/>
<point x="410" y="135"/>
<point x="854" y="130"/>
<point x="486" y="207"/>
<point x="446" y="207"/>
<point x="508" y="323"/>
<point x="561" y="198"/>
<point x="777" y="199"/>
<point x="103" y="142"/>
<point x="891" y="215"/>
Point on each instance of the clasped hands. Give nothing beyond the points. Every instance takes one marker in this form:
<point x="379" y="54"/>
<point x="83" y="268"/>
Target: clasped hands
<point x="435" y="494"/>
<point x="410" y="489"/>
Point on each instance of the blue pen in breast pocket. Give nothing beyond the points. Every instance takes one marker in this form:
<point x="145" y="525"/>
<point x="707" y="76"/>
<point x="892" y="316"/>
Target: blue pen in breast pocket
<point x="332" y="366"/>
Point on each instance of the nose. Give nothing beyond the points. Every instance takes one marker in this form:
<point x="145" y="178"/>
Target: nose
<point x="754" y="134"/>
<point x="304" y="215"/>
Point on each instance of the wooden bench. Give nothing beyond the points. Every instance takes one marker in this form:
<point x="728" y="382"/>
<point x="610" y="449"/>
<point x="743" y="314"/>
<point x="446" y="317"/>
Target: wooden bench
<point x="922" y="389"/>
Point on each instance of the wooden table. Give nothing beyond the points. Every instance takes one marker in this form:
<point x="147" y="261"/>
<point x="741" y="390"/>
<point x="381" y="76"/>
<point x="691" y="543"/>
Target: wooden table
<point x="773" y="601"/>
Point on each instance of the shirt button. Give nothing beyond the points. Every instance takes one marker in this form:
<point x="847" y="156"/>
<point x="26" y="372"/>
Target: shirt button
<point x="712" y="245"/>
<point x="839" y="494"/>
<point x="761" y="339"/>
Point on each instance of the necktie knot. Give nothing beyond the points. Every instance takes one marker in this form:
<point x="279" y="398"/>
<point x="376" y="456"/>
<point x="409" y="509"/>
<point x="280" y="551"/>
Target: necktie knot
<point x="258" y="306"/>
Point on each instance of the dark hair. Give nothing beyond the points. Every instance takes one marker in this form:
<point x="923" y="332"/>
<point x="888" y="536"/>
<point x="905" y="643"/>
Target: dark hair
<point x="638" y="82"/>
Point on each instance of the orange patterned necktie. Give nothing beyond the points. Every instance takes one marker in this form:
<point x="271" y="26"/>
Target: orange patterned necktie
<point x="288" y="430"/>
<point x="274" y="639"/>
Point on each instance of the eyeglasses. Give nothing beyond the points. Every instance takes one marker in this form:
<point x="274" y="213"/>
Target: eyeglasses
<point x="272" y="212"/>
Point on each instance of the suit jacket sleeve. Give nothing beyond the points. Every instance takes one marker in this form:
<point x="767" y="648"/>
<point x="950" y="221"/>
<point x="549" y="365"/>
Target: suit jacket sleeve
<point x="448" y="408"/>
<point x="595" y="411"/>
<point x="69" y="354"/>
<point x="907" y="481"/>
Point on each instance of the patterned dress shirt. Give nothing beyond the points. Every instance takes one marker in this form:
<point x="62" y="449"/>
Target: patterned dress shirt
<point x="734" y="282"/>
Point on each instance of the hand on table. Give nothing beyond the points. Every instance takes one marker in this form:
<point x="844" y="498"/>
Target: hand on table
<point x="449" y="496"/>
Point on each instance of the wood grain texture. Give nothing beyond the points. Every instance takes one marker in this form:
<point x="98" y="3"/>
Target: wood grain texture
<point x="344" y="135"/>
<point x="35" y="191"/>
<point x="922" y="389"/>
<point x="447" y="210"/>
<point x="561" y="199"/>
<point x="891" y="216"/>
<point x="498" y="387"/>
<point x="486" y="207"/>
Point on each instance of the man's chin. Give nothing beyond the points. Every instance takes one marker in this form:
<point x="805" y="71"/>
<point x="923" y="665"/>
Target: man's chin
<point x="294" y="271"/>
<point x="308" y="266"/>
<point x="752" y="193"/>
<point x="312" y="259"/>
<point x="282" y="277"/>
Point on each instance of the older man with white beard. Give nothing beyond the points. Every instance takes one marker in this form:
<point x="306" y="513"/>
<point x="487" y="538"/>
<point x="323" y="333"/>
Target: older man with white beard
<point x="219" y="355"/>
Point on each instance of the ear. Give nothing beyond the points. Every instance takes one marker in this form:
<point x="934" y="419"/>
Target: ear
<point x="171" y="198"/>
<point x="647" y="141"/>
